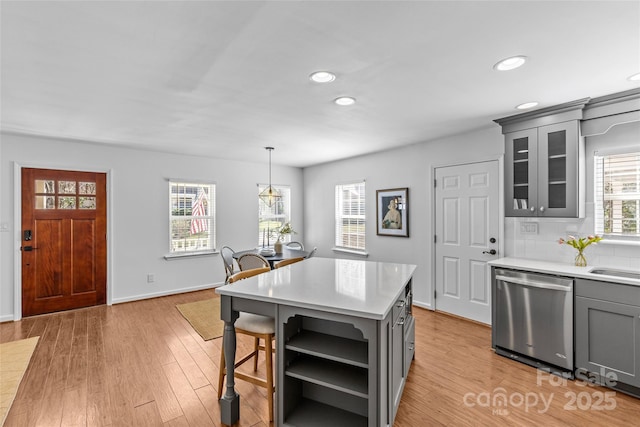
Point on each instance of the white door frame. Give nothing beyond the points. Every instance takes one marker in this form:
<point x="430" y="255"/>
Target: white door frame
<point x="17" y="226"/>
<point x="501" y="243"/>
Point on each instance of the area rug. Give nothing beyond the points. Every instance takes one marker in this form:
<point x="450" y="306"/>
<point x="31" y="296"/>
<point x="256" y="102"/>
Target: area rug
<point x="14" y="359"/>
<point x="204" y="316"/>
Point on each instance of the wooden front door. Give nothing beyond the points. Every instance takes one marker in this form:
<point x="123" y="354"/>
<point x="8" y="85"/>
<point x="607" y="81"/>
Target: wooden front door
<point x="64" y="241"/>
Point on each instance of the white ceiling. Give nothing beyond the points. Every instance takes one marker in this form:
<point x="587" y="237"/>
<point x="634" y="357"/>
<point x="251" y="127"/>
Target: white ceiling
<point x="225" y="79"/>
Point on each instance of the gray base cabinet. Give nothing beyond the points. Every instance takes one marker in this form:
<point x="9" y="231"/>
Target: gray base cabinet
<point x="339" y="370"/>
<point x="607" y="332"/>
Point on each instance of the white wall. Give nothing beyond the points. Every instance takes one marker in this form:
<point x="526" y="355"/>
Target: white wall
<point x="140" y="217"/>
<point x="544" y="245"/>
<point x="139" y="233"/>
<point x="412" y="167"/>
<point x="405" y="167"/>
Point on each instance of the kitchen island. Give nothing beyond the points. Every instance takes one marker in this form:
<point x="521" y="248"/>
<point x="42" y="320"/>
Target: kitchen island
<point x="344" y="336"/>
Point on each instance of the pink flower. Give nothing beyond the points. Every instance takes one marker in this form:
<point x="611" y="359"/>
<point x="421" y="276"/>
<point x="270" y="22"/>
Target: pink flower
<point x="561" y="240"/>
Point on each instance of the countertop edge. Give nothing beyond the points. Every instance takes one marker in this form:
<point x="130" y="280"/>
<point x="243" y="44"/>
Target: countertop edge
<point x="550" y="267"/>
<point x="229" y="290"/>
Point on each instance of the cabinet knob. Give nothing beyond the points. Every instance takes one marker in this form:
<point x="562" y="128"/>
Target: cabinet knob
<point x="541" y="208"/>
<point x="532" y="209"/>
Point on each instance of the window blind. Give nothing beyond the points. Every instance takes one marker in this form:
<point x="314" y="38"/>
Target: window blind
<point x="350" y="216"/>
<point x="617" y="194"/>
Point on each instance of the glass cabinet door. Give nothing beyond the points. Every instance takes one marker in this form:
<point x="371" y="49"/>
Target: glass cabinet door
<point x="557" y="170"/>
<point x="521" y="173"/>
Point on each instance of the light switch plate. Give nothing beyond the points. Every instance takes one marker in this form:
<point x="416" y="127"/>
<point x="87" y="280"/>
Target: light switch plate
<point x="529" y="228"/>
<point x="4" y="227"/>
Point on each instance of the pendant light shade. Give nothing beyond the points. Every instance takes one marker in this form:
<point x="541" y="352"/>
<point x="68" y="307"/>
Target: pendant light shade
<point x="269" y="195"/>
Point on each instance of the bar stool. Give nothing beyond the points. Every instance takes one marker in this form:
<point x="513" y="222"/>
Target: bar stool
<point x="260" y="328"/>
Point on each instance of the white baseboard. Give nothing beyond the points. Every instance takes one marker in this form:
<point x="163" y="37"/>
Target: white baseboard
<point x="165" y="293"/>
<point x="9" y="317"/>
<point x="6" y="318"/>
<point x="423" y="305"/>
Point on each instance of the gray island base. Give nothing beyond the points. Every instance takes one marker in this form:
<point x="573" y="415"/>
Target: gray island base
<point x="344" y="336"/>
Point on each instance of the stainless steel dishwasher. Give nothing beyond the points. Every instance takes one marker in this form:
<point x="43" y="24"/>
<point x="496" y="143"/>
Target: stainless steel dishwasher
<point x="532" y="319"/>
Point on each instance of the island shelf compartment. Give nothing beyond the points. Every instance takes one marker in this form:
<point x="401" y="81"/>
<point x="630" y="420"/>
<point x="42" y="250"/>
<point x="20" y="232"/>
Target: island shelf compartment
<point x="326" y="373"/>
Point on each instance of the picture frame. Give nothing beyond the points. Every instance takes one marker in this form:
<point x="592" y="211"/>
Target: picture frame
<point x="392" y="212"/>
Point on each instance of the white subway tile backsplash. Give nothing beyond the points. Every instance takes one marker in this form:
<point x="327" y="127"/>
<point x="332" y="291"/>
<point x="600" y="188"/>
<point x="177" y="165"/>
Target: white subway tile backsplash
<point x="544" y="245"/>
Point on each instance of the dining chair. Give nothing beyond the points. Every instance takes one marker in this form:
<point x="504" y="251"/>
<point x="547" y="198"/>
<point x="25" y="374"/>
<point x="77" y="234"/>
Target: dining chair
<point x="312" y="253"/>
<point x="250" y="261"/>
<point x="295" y="245"/>
<point x="260" y="328"/>
<point x="227" y="258"/>
<point x="287" y="262"/>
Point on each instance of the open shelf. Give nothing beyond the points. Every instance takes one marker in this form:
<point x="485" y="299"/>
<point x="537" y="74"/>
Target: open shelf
<point x="314" y="414"/>
<point x="330" y="347"/>
<point x="337" y="376"/>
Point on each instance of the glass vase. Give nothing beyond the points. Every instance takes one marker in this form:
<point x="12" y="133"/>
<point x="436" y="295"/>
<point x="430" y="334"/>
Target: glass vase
<point x="580" y="260"/>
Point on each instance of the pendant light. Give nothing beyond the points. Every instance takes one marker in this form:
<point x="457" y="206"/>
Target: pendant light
<point x="270" y="195"/>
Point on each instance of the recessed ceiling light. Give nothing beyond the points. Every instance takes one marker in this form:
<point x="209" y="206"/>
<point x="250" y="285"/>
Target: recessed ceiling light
<point x="510" y="63"/>
<point x="322" y="77"/>
<point x="345" y="101"/>
<point x="527" y="105"/>
<point x="635" y="77"/>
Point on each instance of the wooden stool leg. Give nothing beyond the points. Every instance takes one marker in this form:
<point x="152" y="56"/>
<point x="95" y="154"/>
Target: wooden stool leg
<point x="268" y="343"/>
<point x="221" y="372"/>
<point x="256" y="346"/>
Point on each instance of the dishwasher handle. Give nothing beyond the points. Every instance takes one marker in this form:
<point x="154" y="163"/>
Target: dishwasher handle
<point x="533" y="283"/>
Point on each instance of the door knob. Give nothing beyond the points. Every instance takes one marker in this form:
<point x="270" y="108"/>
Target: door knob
<point x="490" y="252"/>
<point x="492" y="240"/>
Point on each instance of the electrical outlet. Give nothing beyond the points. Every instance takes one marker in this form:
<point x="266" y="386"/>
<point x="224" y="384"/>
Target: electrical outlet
<point x="529" y="228"/>
<point x="4" y="226"/>
<point x="151" y="278"/>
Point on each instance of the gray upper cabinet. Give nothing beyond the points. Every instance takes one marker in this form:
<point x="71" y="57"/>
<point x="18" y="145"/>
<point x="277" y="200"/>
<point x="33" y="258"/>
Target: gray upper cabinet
<point x="544" y="162"/>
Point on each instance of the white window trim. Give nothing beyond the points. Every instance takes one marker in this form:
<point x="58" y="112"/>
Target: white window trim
<point x="350" y="251"/>
<point x="609" y="239"/>
<point x="287" y="216"/>
<point x="178" y="255"/>
<point x="347" y="249"/>
<point x="170" y="256"/>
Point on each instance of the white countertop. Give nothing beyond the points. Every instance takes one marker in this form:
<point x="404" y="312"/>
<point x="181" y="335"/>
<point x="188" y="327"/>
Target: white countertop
<point x="359" y="288"/>
<point x="563" y="269"/>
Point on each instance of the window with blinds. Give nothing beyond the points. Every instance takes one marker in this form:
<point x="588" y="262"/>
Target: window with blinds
<point x="350" y="216"/>
<point x="192" y="209"/>
<point x="617" y="195"/>
<point x="271" y="218"/>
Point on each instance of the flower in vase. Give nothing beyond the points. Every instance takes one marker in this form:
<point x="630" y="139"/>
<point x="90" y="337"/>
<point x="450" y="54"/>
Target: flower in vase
<point x="285" y="229"/>
<point x="580" y="244"/>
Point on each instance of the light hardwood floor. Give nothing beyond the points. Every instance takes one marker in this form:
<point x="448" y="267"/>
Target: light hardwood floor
<point x="141" y="364"/>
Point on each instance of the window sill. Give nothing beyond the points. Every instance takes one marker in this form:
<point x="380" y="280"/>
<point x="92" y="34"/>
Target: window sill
<point x="619" y="242"/>
<point x="171" y="257"/>
<point x="351" y="251"/>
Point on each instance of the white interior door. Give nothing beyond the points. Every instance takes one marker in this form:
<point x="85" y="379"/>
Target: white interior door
<point x="467" y="229"/>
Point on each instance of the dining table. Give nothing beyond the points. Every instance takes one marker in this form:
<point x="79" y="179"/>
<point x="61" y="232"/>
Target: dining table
<point x="286" y="253"/>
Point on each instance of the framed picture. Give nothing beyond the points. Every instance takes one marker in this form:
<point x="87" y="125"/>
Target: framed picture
<point x="392" y="212"/>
